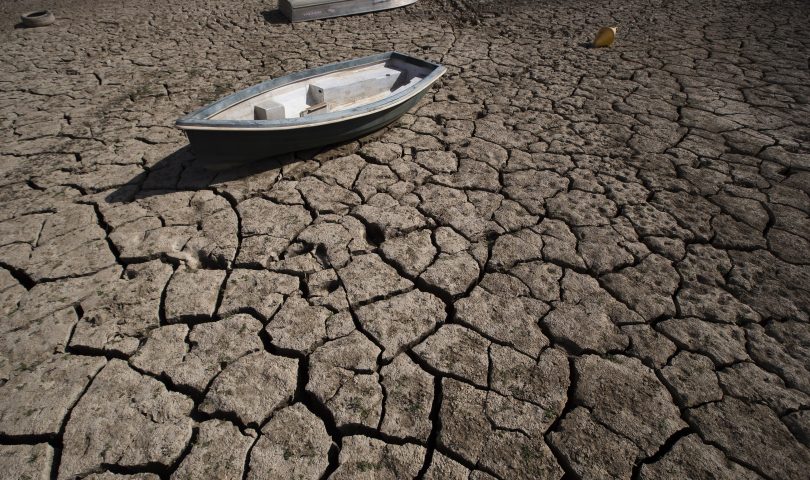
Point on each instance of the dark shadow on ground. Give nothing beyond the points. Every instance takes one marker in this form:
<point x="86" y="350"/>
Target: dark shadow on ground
<point x="182" y="171"/>
<point x="274" y="17"/>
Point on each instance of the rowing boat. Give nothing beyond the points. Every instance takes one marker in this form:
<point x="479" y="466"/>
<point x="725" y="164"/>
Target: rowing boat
<point x="307" y="109"/>
<point x="303" y="10"/>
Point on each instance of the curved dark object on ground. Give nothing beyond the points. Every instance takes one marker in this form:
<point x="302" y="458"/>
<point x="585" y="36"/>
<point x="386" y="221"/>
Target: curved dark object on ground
<point x="308" y="109"/>
<point x="39" y="18"/>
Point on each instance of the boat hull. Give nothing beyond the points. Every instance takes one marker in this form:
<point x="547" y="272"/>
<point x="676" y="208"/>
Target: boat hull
<point x="221" y="141"/>
<point x="222" y="149"/>
<point x="302" y="13"/>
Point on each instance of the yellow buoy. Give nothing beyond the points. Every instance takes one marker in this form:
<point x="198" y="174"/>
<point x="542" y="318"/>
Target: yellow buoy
<point x="605" y="37"/>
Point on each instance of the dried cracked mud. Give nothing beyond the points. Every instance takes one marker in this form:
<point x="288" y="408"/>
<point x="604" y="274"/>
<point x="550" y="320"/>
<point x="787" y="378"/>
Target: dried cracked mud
<point x="565" y="262"/>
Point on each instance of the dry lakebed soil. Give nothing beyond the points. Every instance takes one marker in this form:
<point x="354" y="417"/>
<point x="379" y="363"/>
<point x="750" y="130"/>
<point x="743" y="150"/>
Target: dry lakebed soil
<point x="565" y="262"/>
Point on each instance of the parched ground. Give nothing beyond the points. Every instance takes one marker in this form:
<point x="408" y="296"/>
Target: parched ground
<point x="565" y="262"/>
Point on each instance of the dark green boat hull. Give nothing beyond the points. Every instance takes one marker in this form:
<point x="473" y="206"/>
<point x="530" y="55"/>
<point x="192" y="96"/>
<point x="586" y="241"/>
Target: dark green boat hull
<point x="222" y="143"/>
<point x="219" y="149"/>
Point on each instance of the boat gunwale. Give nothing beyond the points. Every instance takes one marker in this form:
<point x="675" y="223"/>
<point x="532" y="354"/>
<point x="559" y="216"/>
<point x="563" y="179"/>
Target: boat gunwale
<point x="199" y="119"/>
<point x="319" y="3"/>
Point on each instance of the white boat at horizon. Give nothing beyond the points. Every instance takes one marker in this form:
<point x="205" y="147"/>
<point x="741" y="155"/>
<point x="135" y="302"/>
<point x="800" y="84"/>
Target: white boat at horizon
<point x="304" y="10"/>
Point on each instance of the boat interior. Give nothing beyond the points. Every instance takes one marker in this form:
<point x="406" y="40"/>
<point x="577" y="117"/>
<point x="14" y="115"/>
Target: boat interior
<point x="331" y="92"/>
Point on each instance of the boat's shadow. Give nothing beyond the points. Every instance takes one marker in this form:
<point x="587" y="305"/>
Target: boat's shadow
<point x="182" y="171"/>
<point x="274" y="17"/>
